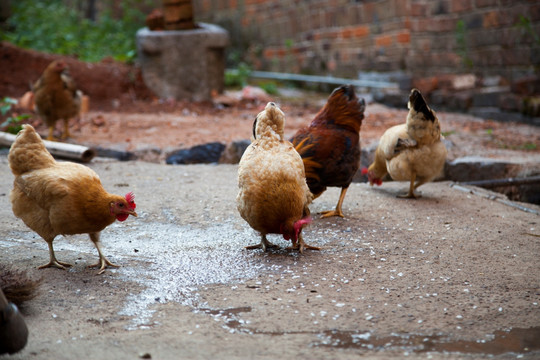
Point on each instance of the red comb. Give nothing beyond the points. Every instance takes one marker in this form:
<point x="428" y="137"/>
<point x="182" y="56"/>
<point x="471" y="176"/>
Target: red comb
<point x="365" y="170"/>
<point x="298" y="225"/>
<point x="130" y="198"/>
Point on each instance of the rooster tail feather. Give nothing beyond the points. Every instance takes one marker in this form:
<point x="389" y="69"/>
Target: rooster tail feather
<point x="28" y="152"/>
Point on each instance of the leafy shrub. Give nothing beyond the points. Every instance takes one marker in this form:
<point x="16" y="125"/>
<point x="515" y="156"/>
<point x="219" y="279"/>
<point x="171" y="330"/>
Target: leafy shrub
<point x="13" y="123"/>
<point x="50" y="26"/>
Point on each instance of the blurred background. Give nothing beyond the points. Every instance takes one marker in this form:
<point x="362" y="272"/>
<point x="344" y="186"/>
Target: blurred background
<point x="480" y="56"/>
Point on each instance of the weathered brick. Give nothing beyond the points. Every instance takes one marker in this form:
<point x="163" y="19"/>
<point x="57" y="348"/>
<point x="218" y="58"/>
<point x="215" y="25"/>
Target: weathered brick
<point x="486" y="3"/>
<point x="459" y="6"/>
<point x="527" y="85"/>
<point x="268" y="53"/>
<point x="534" y="12"/>
<point x="383" y="40"/>
<point x="345" y="33"/>
<point x="420" y="25"/>
<point x="360" y="31"/>
<point x="418" y="9"/>
<point x="439" y="7"/>
<point x="403" y="37"/>
<point x="425" y="84"/>
<point x="491" y="19"/>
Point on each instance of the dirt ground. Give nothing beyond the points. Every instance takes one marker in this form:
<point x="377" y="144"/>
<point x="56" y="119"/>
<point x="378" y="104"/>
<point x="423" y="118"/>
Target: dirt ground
<point x="452" y="275"/>
<point x="153" y="130"/>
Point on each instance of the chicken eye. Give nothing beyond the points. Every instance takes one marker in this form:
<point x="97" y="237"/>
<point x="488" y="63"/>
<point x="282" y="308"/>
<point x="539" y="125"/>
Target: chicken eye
<point x="254" y="127"/>
<point x="120" y="205"/>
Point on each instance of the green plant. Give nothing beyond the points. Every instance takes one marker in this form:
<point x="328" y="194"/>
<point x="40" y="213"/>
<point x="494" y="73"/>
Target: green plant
<point x="12" y="124"/>
<point x="525" y="24"/>
<point x="51" y="26"/>
<point x="237" y="77"/>
<point x="270" y="87"/>
<point x="462" y="46"/>
<point x="528" y="146"/>
<point x="448" y="133"/>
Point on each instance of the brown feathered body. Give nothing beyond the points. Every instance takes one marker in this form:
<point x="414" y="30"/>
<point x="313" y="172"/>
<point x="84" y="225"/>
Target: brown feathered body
<point x="330" y="145"/>
<point x="412" y="151"/>
<point x="60" y="198"/>
<point x="273" y="195"/>
<point x="56" y="96"/>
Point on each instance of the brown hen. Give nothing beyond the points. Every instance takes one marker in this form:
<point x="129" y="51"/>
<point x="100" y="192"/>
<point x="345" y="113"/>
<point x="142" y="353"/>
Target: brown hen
<point x="56" y="97"/>
<point x="61" y="198"/>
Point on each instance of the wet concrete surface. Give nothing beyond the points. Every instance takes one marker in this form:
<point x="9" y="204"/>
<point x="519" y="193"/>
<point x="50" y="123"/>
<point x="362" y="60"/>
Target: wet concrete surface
<point x="450" y="275"/>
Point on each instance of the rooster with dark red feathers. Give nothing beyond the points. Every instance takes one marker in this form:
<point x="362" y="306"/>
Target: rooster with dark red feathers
<point x="330" y="145"/>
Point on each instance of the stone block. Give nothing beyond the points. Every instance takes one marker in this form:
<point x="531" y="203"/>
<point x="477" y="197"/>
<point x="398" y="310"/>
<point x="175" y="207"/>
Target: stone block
<point x="489" y="97"/>
<point x="527" y="85"/>
<point x="463" y="82"/>
<point x="199" y="154"/>
<point x="472" y="168"/>
<point x="183" y="64"/>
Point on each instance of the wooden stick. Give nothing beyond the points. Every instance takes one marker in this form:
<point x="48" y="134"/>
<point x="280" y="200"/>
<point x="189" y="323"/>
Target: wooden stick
<point x="63" y="150"/>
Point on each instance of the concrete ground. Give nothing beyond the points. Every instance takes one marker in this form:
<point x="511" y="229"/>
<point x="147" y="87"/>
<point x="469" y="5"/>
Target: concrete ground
<point x="452" y="275"/>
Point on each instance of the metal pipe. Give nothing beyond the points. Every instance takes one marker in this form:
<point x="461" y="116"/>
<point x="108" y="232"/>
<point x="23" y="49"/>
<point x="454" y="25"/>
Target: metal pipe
<point x="64" y="150"/>
<point x="503" y="182"/>
<point x="320" y="79"/>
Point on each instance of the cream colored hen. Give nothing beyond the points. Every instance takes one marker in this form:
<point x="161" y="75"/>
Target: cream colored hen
<point x="273" y="196"/>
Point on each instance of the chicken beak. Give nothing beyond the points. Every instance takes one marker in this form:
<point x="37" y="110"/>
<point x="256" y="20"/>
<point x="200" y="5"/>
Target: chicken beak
<point x="131" y="212"/>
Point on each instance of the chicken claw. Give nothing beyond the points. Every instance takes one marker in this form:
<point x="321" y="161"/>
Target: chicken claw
<point x="409" y="195"/>
<point x="337" y="211"/>
<point x="103" y="261"/>
<point x="102" y="264"/>
<point x="264" y="244"/>
<point x="301" y="245"/>
<point x="330" y="213"/>
<point x="53" y="261"/>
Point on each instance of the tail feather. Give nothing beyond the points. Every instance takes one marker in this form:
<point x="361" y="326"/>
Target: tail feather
<point x="28" y="152"/>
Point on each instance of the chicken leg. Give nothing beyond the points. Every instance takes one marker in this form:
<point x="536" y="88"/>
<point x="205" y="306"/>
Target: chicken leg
<point x="412" y="186"/>
<point x="301" y="245"/>
<point x="50" y="137"/>
<point x="103" y="261"/>
<point x="264" y="244"/>
<point x="66" y="133"/>
<point x="337" y="211"/>
<point x="53" y="261"/>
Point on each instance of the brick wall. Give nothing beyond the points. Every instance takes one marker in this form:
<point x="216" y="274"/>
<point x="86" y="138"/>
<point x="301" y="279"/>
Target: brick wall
<point x="421" y="37"/>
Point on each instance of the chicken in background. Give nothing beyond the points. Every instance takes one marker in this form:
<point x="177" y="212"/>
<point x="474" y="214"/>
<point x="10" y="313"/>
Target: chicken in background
<point x="61" y="198"/>
<point x="330" y="145"/>
<point x="273" y="196"/>
<point x="412" y="151"/>
<point x="56" y="97"/>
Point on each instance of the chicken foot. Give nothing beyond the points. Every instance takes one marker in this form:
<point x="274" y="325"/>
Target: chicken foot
<point x="337" y="211"/>
<point x="103" y="261"/>
<point x="301" y="245"/>
<point x="411" y="194"/>
<point x="264" y="244"/>
<point x="53" y="261"/>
